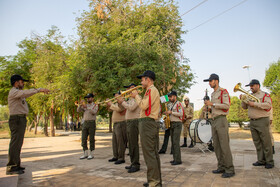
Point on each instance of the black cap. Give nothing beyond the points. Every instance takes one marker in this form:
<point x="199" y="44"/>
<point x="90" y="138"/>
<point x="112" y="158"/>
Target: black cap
<point x="132" y="84"/>
<point x="253" y="81"/>
<point x="213" y="76"/>
<point x="149" y="74"/>
<point x="89" y="95"/>
<point x="16" y="78"/>
<point x="172" y="93"/>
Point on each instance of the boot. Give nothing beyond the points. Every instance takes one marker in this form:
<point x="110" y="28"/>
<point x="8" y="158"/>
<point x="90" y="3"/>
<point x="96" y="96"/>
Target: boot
<point x="85" y="155"/>
<point x="191" y="145"/>
<point x="185" y="143"/>
<point x="90" y="156"/>
<point x="273" y="151"/>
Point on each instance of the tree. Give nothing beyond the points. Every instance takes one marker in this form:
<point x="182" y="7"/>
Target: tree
<point x="236" y="112"/>
<point x="272" y="82"/>
<point x="121" y="39"/>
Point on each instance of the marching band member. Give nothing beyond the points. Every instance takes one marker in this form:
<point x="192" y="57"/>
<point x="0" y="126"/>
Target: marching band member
<point x="176" y="113"/>
<point x="89" y="126"/>
<point x="131" y="116"/>
<point x="149" y="128"/>
<point x="220" y="102"/>
<point x="188" y="109"/>
<point x="119" y="134"/>
<point x="259" y="124"/>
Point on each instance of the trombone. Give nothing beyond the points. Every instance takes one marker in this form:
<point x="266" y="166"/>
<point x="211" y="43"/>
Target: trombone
<point x="247" y="97"/>
<point x="125" y="94"/>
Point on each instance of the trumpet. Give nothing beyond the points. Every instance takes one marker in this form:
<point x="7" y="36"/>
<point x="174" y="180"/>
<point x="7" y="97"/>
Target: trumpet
<point x="125" y="94"/>
<point x="81" y="103"/>
<point x="248" y="96"/>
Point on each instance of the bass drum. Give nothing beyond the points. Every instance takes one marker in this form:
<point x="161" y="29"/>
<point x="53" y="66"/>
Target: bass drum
<point x="200" y="131"/>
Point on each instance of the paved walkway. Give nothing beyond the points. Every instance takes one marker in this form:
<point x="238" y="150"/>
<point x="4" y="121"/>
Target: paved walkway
<point x="54" y="161"/>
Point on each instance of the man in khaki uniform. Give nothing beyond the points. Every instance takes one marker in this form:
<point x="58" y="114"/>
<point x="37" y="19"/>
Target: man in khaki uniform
<point x="119" y="132"/>
<point x="89" y="126"/>
<point x="188" y="109"/>
<point x="220" y="103"/>
<point x="176" y="116"/>
<point x="132" y="114"/>
<point x="270" y="129"/>
<point x="149" y="128"/>
<point x="258" y="113"/>
<point x="18" y="110"/>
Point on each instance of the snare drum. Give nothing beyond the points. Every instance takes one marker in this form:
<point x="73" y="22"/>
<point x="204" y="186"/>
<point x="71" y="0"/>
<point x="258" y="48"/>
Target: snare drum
<point x="200" y="131"/>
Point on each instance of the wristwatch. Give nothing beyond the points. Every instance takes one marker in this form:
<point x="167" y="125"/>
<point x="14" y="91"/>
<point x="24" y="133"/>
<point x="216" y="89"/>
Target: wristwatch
<point x="214" y="104"/>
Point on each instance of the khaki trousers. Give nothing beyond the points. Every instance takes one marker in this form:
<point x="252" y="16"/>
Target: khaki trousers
<point x="119" y="140"/>
<point x="149" y="134"/>
<point x="88" y="129"/>
<point x="186" y="129"/>
<point x="133" y="138"/>
<point x="221" y="144"/>
<point x="17" y="125"/>
<point x="262" y="140"/>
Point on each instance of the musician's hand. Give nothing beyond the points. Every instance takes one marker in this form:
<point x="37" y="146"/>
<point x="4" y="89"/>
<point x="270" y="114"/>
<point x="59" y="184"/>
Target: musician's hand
<point x="44" y="90"/>
<point x="208" y="103"/>
<point x="120" y="100"/>
<point x="168" y="112"/>
<point x="250" y="103"/>
<point x="134" y="93"/>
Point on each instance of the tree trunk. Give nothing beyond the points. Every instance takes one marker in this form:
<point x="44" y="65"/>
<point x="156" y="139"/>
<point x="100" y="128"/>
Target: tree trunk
<point x="52" y="121"/>
<point x="36" y="124"/>
<point x="46" y="125"/>
<point x="30" y="126"/>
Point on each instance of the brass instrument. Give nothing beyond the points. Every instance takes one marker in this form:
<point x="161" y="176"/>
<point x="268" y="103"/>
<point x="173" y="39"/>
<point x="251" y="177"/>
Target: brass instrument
<point x="247" y="97"/>
<point x="81" y="103"/>
<point x="125" y="94"/>
<point x="166" y="118"/>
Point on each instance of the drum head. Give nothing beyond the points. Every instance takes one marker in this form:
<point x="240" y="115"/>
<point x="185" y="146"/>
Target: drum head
<point x="204" y="131"/>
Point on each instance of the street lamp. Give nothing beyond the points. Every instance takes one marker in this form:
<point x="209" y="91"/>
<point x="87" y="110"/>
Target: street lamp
<point x="247" y="67"/>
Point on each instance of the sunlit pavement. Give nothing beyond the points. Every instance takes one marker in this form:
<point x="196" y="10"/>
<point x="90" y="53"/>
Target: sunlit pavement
<point x="54" y="161"/>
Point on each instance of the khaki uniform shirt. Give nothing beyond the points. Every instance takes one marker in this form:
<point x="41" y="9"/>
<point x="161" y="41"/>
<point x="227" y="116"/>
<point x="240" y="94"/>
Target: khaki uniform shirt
<point x="144" y="103"/>
<point x="220" y="108"/>
<point x="118" y="113"/>
<point x="177" y="112"/>
<point x="271" y="114"/>
<point x="16" y="100"/>
<point x="259" y="110"/>
<point x="188" y="114"/>
<point x="132" y="109"/>
<point x="90" y="111"/>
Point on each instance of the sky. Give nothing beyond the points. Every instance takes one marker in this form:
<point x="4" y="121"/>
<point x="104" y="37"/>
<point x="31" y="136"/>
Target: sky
<point x="248" y="34"/>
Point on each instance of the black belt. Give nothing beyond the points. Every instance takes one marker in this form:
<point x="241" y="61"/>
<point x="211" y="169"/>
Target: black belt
<point x="129" y="120"/>
<point x="214" y="118"/>
<point x="18" y="115"/>
<point x="146" y="119"/>
<point x="257" y="118"/>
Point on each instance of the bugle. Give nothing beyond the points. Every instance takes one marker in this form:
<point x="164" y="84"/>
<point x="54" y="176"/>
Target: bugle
<point x="248" y="97"/>
<point x="125" y="94"/>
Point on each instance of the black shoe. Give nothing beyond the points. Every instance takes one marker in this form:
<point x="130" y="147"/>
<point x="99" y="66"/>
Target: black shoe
<point x="112" y="160"/>
<point x="269" y="166"/>
<point x="119" y="162"/>
<point x="14" y="172"/>
<point x="228" y="175"/>
<point x="171" y="152"/>
<point x="258" y="164"/>
<point x="133" y="169"/>
<point x="218" y="171"/>
<point x="191" y="146"/>
<point x="21" y="168"/>
<point x="176" y="163"/>
<point x="172" y="161"/>
<point x="211" y="148"/>
<point x="146" y="184"/>
<point x="128" y="167"/>
<point x="161" y="152"/>
<point x="184" y="145"/>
